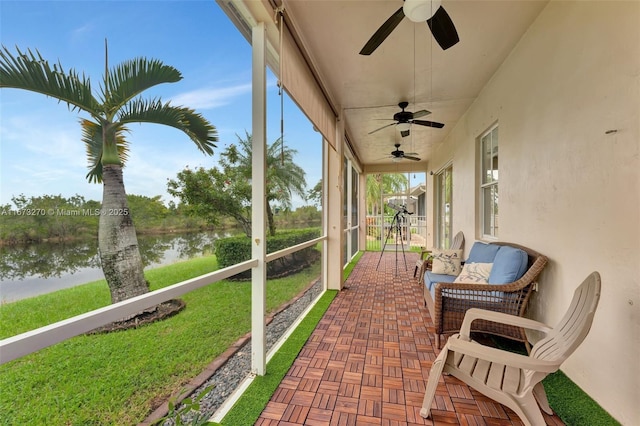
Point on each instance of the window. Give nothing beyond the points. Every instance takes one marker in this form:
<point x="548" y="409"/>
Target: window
<point x="489" y="183"/>
<point x="444" y="201"/>
<point x="350" y="210"/>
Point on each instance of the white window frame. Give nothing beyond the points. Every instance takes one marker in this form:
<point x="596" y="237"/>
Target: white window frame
<point x="350" y="210"/>
<point x="488" y="188"/>
<point x="444" y="210"/>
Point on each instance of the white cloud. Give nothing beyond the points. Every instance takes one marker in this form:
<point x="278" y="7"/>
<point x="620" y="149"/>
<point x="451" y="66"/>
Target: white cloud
<point x="80" y="32"/>
<point x="41" y="156"/>
<point x="211" y="97"/>
<point x="58" y="145"/>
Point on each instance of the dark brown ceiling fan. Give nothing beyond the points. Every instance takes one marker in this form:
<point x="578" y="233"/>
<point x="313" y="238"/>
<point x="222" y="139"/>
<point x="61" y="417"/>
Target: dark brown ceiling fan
<point x="398" y="154"/>
<point x="440" y="24"/>
<point x="404" y="119"/>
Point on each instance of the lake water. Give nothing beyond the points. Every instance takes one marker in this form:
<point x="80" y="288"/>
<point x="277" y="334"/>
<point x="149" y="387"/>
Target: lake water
<point x="27" y="271"/>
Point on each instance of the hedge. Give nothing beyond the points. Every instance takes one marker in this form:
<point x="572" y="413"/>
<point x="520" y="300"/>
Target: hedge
<point x="233" y="250"/>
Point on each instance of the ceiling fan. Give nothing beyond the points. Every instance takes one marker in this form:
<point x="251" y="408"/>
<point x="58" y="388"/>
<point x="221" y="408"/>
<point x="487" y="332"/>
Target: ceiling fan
<point x="398" y="155"/>
<point x="404" y="119"/>
<point x="440" y="24"/>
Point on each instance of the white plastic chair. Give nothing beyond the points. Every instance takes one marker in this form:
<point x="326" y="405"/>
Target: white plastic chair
<point x="512" y="379"/>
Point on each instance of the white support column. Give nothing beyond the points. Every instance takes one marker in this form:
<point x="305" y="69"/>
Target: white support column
<point x="349" y="191"/>
<point x="334" y="248"/>
<point x="325" y="212"/>
<point x="258" y="200"/>
<point x="362" y="211"/>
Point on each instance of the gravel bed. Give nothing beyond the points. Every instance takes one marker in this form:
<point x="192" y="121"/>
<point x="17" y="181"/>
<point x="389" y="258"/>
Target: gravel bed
<point x="227" y="378"/>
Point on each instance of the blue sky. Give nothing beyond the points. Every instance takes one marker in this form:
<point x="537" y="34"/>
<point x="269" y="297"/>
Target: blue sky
<point x="41" y="152"/>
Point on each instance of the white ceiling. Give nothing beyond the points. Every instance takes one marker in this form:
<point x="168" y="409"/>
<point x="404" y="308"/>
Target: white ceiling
<point x="408" y="66"/>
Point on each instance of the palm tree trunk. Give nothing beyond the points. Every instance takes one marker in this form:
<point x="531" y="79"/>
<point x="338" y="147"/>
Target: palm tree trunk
<point x="117" y="241"/>
<point x="270" y="221"/>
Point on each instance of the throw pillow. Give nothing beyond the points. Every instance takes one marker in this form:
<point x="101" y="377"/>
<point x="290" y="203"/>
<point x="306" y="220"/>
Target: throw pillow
<point x="482" y="252"/>
<point x="509" y="265"/>
<point x="475" y="273"/>
<point x="447" y="262"/>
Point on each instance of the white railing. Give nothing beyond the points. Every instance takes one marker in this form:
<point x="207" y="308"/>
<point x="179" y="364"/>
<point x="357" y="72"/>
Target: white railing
<point x="284" y="252"/>
<point x="31" y="341"/>
<point x="413" y="228"/>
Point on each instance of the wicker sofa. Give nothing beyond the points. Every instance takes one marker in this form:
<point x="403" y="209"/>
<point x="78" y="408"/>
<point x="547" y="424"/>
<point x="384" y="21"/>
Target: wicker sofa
<point x="448" y="301"/>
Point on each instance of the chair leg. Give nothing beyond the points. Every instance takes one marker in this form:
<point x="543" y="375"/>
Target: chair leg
<point x="432" y="383"/>
<point x="529" y="412"/>
<point x="421" y="274"/>
<point x="541" y="397"/>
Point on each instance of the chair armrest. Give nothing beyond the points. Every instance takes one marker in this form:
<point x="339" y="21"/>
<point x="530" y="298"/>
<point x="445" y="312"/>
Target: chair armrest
<point x="457" y="344"/>
<point x="499" y="317"/>
<point x="425" y="254"/>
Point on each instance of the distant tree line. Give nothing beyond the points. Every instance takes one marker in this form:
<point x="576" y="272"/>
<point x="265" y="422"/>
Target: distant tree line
<point x="57" y="218"/>
<point x="54" y="217"/>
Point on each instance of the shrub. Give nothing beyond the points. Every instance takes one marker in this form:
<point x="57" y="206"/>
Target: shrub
<point x="232" y="250"/>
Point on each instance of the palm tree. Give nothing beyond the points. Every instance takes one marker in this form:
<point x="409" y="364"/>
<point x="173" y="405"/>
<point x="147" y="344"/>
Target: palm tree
<point x="382" y="183"/>
<point x="111" y="110"/>
<point x="284" y="177"/>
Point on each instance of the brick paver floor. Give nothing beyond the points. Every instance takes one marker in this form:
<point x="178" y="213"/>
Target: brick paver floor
<point x="368" y="360"/>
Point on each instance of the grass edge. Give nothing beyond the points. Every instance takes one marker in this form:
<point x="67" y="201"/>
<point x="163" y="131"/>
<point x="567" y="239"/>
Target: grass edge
<point x="253" y="401"/>
<point x="572" y="404"/>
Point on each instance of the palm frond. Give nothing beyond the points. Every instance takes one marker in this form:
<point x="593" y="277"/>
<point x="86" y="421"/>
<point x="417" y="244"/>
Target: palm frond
<point x="246" y="145"/>
<point x="127" y="80"/>
<point x="29" y="71"/>
<point x="92" y="138"/>
<point x="198" y="128"/>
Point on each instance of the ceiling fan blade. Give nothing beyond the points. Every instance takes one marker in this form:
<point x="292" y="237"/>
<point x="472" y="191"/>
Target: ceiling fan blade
<point x="442" y="28"/>
<point x="421" y="113"/>
<point x="410" y="157"/>
<point x="428" y="123"/>
<point x="404" y="133"/>
<point x="410" y="153"/>
<point x="383" y="32"/>
<point x="383" y="127"/>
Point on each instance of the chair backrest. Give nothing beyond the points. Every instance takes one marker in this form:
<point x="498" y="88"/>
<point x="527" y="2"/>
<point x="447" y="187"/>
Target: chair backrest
<point x="574" y="326"/>
<point x="458" y="242"/>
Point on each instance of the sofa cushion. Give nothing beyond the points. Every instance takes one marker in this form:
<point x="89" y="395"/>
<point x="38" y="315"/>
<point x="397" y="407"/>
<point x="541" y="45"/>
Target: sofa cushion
<point x="509" y="265"/>
<point x="482" y="252"/>
<point x="446" y="262"/>
<point x="474" y="273"/>
<point x="430" y="279"/>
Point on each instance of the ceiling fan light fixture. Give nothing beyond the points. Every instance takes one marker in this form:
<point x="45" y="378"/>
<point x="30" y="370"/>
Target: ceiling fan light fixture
<point x="420" y="10"/>
<point x="403" y="127"/>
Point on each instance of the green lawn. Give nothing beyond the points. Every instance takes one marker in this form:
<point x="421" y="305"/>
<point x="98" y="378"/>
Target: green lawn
<point x="116" y="378"/>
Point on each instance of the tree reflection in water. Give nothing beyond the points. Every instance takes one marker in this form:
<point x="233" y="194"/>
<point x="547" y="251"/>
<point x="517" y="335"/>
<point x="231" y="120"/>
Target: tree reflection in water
<point x="54" y="260"/>
<point x="46" y="260"/>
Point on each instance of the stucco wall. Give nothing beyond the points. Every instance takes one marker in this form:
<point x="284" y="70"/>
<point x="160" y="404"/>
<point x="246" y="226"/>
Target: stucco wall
<point x="567" y="188"/>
